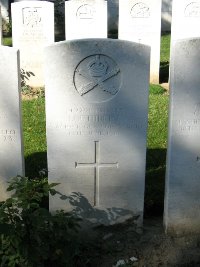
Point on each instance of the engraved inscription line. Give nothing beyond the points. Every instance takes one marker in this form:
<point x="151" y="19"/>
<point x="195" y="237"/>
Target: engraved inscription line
<point x="97" y="164"/>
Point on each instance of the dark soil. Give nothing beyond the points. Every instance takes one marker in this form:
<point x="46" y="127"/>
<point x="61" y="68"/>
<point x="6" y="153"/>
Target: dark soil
<point x="152" y="247"/>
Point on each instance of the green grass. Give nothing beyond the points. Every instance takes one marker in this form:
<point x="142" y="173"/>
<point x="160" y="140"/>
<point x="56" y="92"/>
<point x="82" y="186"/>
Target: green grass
<point x="164" y="57"/>
<point x="165" y="47"/>
<point x="157" y="137"/>
<point x="7" y="41"/>
<point x="34" y="131"/>
<point x="156" y="153"/>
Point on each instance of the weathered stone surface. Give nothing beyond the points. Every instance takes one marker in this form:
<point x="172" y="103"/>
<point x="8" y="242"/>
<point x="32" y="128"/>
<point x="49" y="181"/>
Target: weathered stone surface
<point x="185" y="19"/>
<point x="32" y="30"/>
<point x="182" y="197"/>
<point x="96" y="108"/>
<point x="11" y="149"/>
<point x="141" y="22"/>
<point x="85" y="19"/>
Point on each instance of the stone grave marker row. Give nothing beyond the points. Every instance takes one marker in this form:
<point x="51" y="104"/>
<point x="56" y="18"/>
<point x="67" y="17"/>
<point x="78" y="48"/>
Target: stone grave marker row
<point x="96" y="131"/>
<point x="99" y="124"/>
<point x="33" y="24"/>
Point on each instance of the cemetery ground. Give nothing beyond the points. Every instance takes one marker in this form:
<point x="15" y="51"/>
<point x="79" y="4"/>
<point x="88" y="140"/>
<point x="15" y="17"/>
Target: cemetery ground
<point x="108" y="245"/>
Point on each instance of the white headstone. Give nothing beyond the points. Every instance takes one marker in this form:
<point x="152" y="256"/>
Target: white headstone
<point x="140" y="21"/>
<point x="96" y="108"/>
<point x="182" y="199"/>
<point x="185" y="19"/>
<point x="85" y="19"/>
<point x="11" y="149"/>
<point x="32" y="29"/>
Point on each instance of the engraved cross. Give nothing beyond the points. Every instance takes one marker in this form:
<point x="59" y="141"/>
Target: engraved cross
<point x="97" y="164"/>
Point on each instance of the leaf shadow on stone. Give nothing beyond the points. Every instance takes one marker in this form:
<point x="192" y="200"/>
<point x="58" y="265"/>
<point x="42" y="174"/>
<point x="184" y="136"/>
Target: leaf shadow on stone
<point x="25" y="76"/>
<point x="82" y="208"/>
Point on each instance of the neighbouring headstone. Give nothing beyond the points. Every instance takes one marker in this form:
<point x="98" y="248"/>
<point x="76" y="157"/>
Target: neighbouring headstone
<point x="140" y="21"/>
<point x="182" y="197"/>
<point x="166" y="15"/>
<point x="85" y="19"/>
<point x="32" y="29"/>
<point x="11" y="148"/>
<point x="96" y="108"/>
<point x="185" y="19"/>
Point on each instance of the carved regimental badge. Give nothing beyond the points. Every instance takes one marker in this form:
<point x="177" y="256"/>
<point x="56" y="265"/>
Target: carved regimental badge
<point x="97" y="78"/>
<point x="32" y="16"/>
<point x="192" y="10"/>
<point x="85" y="12"/>
<point x="140" y="10"/>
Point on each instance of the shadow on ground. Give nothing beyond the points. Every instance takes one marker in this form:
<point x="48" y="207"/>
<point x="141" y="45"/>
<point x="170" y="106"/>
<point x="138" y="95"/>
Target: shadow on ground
<point x="155" y="182"/>
<point x="164" y="72"/>
<point x="36" y="165"/>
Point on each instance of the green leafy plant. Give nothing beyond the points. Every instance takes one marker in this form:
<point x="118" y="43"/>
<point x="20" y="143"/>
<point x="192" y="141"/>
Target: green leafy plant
<point x="27" y="89"/>
<point x="29" y="234"/>
<point x="25" y="75"/>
